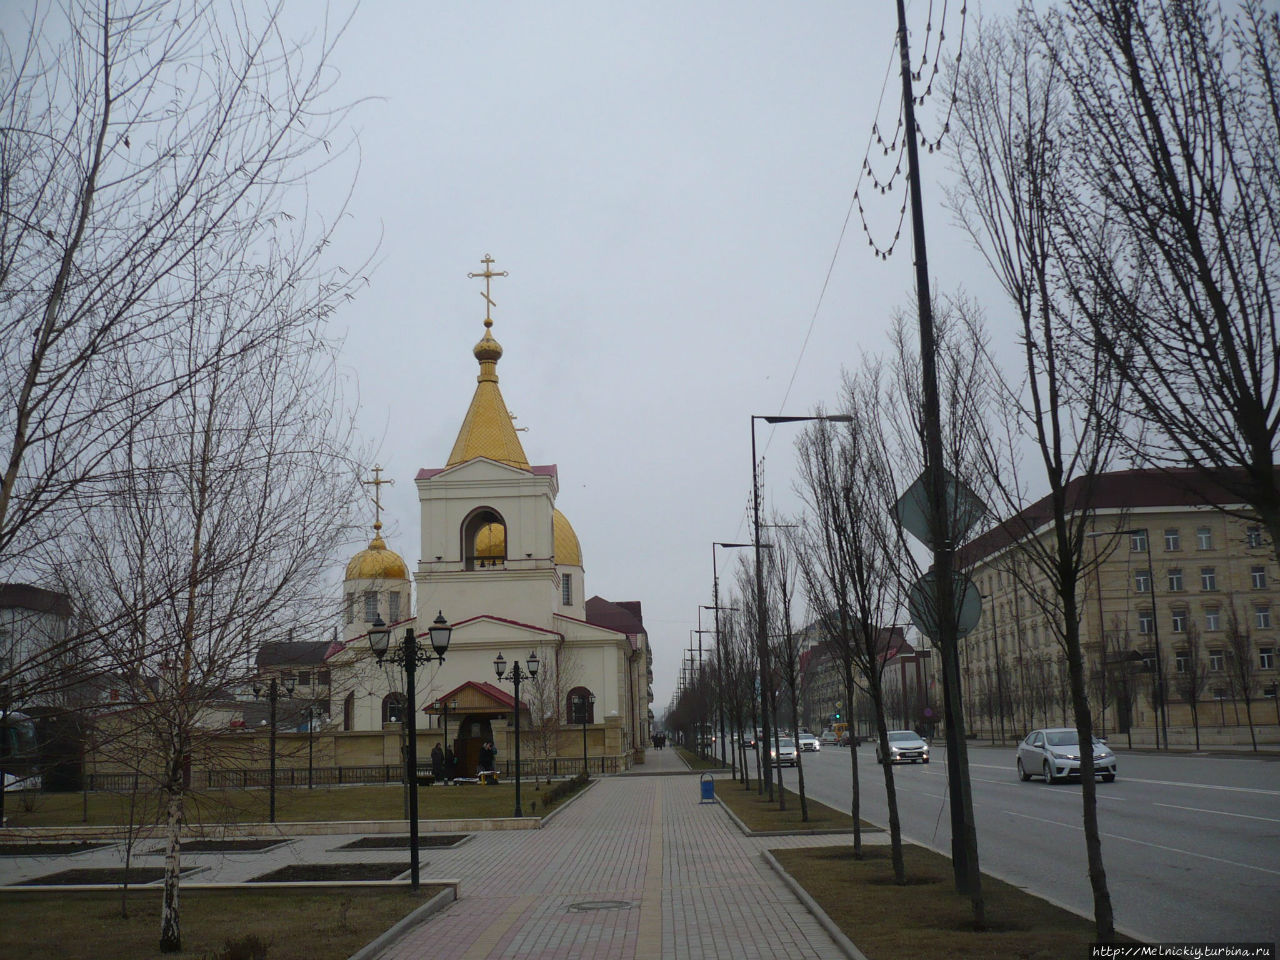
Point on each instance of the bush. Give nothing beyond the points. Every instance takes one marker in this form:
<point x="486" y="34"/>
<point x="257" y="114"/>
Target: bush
<point x="563" y="789"/>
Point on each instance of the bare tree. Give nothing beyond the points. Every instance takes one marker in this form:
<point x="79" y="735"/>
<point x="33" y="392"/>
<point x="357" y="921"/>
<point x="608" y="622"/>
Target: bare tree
<point x="1010" y="97"/>
<point x="1170" y="143"/>
<point x="1242" y="665"/>
<point x="1191" y="674"/>
<point x="783" y="570"/>
<point x="848" y="562"/>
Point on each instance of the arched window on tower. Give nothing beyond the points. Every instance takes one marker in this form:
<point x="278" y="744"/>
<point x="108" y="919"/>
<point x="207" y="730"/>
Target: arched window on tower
<point x="484" y="539"/>
<point x="580" y="706"/>
<point x="393" y="708"/>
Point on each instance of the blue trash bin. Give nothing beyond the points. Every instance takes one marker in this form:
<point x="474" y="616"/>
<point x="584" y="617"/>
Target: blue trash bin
<point x="708" y="785"/>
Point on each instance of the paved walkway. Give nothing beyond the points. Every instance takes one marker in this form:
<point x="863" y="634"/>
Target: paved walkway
<point x="635" y="868"/>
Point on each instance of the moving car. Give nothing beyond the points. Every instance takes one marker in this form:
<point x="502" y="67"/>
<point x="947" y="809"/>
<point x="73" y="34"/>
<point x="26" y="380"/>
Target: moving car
<point x="784" y="754"/>
<point x="1054" y="753"/>
<point x="809" y="743"/>
<point x="829" y="737"/>
<point x="904" y="746"/>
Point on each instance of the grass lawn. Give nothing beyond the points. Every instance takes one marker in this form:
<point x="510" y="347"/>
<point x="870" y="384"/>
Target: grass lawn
<point x="465" y="801"/>
<point x="301" y="925"/>
<point x="926" y="919"/>
<point x="759" y="814"/>
<point x="695" y="762"/>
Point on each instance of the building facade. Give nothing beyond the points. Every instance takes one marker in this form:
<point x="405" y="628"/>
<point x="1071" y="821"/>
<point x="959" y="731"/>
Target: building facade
<point x="1178" y="610"/>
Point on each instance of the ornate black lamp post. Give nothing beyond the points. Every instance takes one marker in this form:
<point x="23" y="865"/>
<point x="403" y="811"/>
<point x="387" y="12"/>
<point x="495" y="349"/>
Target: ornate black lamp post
<point x="408" y="655"/>
<point x="315" y="713"/>
<point x="517" y="677"/>
<point x="272" y="692"/>
<point x="582" y="702"/>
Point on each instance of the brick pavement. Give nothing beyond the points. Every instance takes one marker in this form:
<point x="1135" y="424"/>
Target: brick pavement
<point x="635" y="868"/>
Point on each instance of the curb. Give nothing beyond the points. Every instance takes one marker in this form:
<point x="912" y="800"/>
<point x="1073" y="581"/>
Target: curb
<point x="433" y="906"/>
<point x="568" y="803"/>
<point x="824" y="921"/>
<point x="816" y="832"/>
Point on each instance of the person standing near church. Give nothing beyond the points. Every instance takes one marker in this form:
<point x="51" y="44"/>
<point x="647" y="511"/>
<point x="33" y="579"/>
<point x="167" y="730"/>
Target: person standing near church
<point x="437" y="763"/>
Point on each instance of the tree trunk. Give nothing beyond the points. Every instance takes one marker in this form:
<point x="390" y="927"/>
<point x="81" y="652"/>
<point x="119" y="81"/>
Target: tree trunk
<point x="890" y="789"/>
<point x="170" y="927"/>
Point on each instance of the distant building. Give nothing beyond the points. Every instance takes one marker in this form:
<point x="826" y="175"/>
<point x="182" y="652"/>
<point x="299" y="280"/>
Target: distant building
<point x="34" y="626"/>
<point x="1182" y="569"/>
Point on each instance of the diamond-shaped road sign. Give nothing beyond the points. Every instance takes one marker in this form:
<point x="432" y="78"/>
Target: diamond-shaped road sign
<point x="964" y="509"/>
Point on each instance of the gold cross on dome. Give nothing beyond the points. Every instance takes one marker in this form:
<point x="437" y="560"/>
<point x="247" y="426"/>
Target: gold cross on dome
<point x="489" y="274"/>
<point x="377" y="482"/>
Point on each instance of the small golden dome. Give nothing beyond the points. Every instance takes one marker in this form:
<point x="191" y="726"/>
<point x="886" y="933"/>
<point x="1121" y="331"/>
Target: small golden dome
<point x="567" y="550"/>
<point x="491" y="542"/>
<point x="377" y="562"/>
<point x="488" y="348"/>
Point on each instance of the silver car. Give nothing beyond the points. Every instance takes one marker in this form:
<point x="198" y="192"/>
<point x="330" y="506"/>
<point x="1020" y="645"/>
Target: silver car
<point x="809" y="743"/>
<point x="1054" y="753"/>
<point x="784" y="754"/>
<point x="904" y="746"/>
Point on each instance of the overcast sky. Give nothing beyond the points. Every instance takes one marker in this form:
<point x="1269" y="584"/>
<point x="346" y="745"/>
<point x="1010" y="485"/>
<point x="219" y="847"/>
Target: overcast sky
<point x="666" y="183"/>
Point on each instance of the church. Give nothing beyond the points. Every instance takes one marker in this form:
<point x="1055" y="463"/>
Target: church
<point x="505" y="568"/>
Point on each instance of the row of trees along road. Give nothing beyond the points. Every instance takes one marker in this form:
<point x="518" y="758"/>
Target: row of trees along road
<point x="1116" y="164"/>
<point x="177" y="451"/>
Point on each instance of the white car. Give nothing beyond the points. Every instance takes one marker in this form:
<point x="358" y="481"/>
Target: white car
<point x="808" y="743"/>
<point x="828" y="737"/>
<point x="784" y="754"/>
<point x="905" y="746"/>
<point x="1054" y="753"/>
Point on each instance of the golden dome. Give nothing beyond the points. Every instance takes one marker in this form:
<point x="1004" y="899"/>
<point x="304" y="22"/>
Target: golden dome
<point x="487" y="430"/>
<point x="491" y="542"/>
<point x="377" y="562"/>
<point x="567" y="550"/>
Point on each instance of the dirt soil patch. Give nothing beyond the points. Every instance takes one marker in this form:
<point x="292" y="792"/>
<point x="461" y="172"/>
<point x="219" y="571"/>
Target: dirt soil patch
<point x="402" y="843"/>
<point x="101" y="875"/>
<point x="44" y="848"/>
<point x="320" y="872"/>
<point x="225" y="846"/>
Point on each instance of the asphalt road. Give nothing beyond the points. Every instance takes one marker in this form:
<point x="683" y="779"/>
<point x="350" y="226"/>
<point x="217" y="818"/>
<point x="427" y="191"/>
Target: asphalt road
<point x="1191" y="843"/>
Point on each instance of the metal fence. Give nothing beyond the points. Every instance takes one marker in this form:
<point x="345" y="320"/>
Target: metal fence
<point x="247" y="777"/>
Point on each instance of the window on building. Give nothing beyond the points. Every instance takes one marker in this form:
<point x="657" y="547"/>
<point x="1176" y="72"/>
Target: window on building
<point x="1146" y="621"/>
<point x="393" y="604"/>
<point x="1216" y="659"/>
<point x="322" y="677"/>
<point x="1138" y="541"/>
<point x="1212" y="619"/>
<point x="350" y="607"/>
<point x="1142" y="581"/>
<point x="393" y="708"/>
<point x="1219" y="693"/>
<point x="1175" y="579"/>
<point x="370" y="606"/>
<point x="1179" y="621"/>
<point x="1172" y="540"/>
<point x="1258" y="575"/>
<point x="1204" y="538"/>
<point x="580" y="706"/>
<point x="566" y="589"/>
<point x="1149" y="661"/>
<point x="1269" y="692"/>
<point x="1208" y="578"/>
<point x="1262" y="617"/>
<point x="1253" y="536"/>
<point x="1181" y="661"/>
<point x="1266" y="658"/>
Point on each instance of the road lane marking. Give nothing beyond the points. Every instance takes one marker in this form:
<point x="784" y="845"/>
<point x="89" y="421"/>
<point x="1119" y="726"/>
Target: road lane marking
<point x="1217" y="813"/>
<point x="1208" y="786"/>
<point x="1144" y="843"/>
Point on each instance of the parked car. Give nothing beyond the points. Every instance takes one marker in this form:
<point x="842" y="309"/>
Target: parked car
<point x="904" y="746"/>
<point x="784" y="754"/>
<point x="1054" y="753"/>
<point x="809" y="743"/>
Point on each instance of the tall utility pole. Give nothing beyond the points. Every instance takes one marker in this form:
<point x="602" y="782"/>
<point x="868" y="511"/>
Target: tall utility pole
<point x="964" y="837"/>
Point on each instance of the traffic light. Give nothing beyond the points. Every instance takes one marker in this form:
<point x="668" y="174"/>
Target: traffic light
<point x="837" y="715"/>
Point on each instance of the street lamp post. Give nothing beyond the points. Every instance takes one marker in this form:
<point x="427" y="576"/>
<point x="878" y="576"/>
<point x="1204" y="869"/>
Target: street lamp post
<point x="409" y="655"/>
<point x="762" y="643"/>
<point x="583" y="702"/>
<point x="517" y="677"/>
<point x="272" y="692"/>
<point x="314" y="714"/>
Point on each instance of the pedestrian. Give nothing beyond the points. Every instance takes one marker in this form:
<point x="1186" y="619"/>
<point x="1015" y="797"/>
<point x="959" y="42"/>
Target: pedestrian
<point x="437" y="763"/>
<point x="450" y="764"/>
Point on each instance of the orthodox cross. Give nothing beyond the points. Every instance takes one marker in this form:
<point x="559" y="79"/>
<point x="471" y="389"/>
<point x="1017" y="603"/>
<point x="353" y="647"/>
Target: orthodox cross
<point x="489" y="274"/>
<point x="376" y="483"/>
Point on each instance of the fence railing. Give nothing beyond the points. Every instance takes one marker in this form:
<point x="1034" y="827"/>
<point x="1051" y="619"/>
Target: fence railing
<point x="248" y="777"/>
